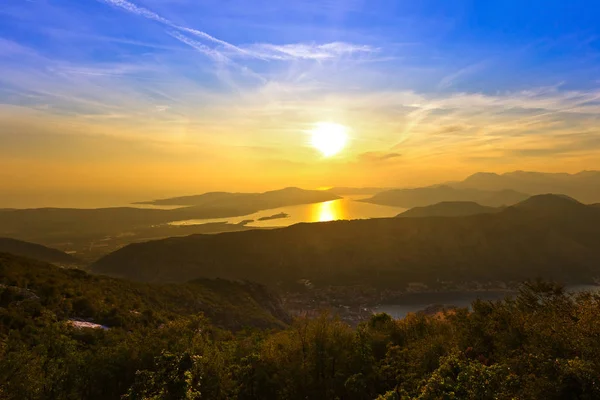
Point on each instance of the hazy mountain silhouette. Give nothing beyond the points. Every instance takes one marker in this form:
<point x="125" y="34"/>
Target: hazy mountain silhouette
<point x="260" y="201"/>
<point x="36" y="252"/>
<point x="449" y="209"/>
<point x="551" y="202"/>
<point x="419" y="197"/>
<point x="584" y="186"/>
<point x="546" y="236"/>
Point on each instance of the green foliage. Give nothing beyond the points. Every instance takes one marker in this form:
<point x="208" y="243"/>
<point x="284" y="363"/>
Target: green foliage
<point x="541" y="345"/>
<point x="174" y="377"/>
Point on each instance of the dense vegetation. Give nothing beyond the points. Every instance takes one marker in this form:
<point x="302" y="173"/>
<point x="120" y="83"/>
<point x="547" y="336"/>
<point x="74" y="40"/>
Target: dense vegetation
<point x="541" y="345"/>
<point x="548" y="236"/>
<point x="65" y="294"/>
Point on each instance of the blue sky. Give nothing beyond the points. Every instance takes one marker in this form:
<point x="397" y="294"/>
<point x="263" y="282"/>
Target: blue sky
<point x="430" y="90"/>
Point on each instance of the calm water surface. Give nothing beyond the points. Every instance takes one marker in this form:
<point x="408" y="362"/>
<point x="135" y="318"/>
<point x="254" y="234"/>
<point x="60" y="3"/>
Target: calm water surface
<point x="418" y="301"/>
<point x="346" y="208"/>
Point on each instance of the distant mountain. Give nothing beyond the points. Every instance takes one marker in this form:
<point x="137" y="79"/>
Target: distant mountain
<point x="260" y="201"/>
<point x="551" y="202"/>
<point x="584" y="186"/>
<point x="36" y="252"/>
<point x="74" y="294"/>
<point x="449" y="209"/>
<point x="350" y="191"/>
<point x="545" y="236"/>
<point x="425" y="196"/>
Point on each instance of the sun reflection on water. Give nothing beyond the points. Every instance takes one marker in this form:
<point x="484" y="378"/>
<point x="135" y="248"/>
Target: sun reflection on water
<point x="328" y="211"/>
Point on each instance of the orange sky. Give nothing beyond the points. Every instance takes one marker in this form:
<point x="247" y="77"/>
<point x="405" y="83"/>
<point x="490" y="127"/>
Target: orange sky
<point x="167" y="101"/>
<point x="65" y="161"/>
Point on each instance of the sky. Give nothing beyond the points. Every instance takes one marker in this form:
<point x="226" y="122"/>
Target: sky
<point x="108" y="101"/>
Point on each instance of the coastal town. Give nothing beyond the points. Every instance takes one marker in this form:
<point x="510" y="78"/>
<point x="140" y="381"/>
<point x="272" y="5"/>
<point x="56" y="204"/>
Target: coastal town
<point x="355" y="304"/>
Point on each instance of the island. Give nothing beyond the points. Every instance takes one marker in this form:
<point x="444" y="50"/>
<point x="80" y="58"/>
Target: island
<point x="275" y="216"/>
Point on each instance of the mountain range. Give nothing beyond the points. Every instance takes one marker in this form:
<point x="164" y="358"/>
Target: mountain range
<point x="419" y="197"/>
<point x="548" y="236"/>
<point x="583" y="186"/>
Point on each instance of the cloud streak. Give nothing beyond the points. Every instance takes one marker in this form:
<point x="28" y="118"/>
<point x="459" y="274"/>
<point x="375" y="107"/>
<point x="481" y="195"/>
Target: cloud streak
<point x="263" y="51"/>
<point x="144" y="12"/>
<point x="378" y="156"/>
<point x="308" y="51"/>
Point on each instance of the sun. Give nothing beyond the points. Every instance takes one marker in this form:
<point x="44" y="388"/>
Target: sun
<point x="329" y="138"/>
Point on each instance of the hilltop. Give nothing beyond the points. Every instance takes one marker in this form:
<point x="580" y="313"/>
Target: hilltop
<point x="36" y="251"/>
<point x="558" y="239"/>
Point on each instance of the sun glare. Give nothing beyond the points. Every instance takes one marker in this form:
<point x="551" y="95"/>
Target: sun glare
<point x="327" y="211"/>
<point x="329" y="138"/>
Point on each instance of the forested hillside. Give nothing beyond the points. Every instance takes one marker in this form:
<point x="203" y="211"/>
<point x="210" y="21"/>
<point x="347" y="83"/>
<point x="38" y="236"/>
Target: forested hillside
<point x="541" y="345"/>
<point x="547" y="236"/>
<point x="63" y="294"/>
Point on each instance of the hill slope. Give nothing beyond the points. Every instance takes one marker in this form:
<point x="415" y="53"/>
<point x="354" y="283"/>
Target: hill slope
<point x="449" y="209"/>
<point x="425" y="196"/>
<point x="75" y="294"/>
<point x="552" y="239"/>
<point x="36" y="252"/>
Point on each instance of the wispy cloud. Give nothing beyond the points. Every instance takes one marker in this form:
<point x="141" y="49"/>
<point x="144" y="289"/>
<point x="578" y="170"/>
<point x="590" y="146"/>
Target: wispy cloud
<point x="378" y="156"/>
<point x="308" y="51"/>
<point x="449" y="80"/>
<point x="258" y="81"/>
<point x="265" y="51"/>
<point x="202" y="48"/>
<point x="144" y="12"/>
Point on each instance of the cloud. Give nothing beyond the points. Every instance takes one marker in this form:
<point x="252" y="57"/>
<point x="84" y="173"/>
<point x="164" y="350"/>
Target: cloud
<point x="378" y="156"/>
<point x="308" y="51"/>
<point x="202" y="48"/>
<point x="144" y="12"/>
<point x="449" y="80"/>
<point x="451" y="129"/>
<point x="561" y="146"/>
<point x="265" y="51"/>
